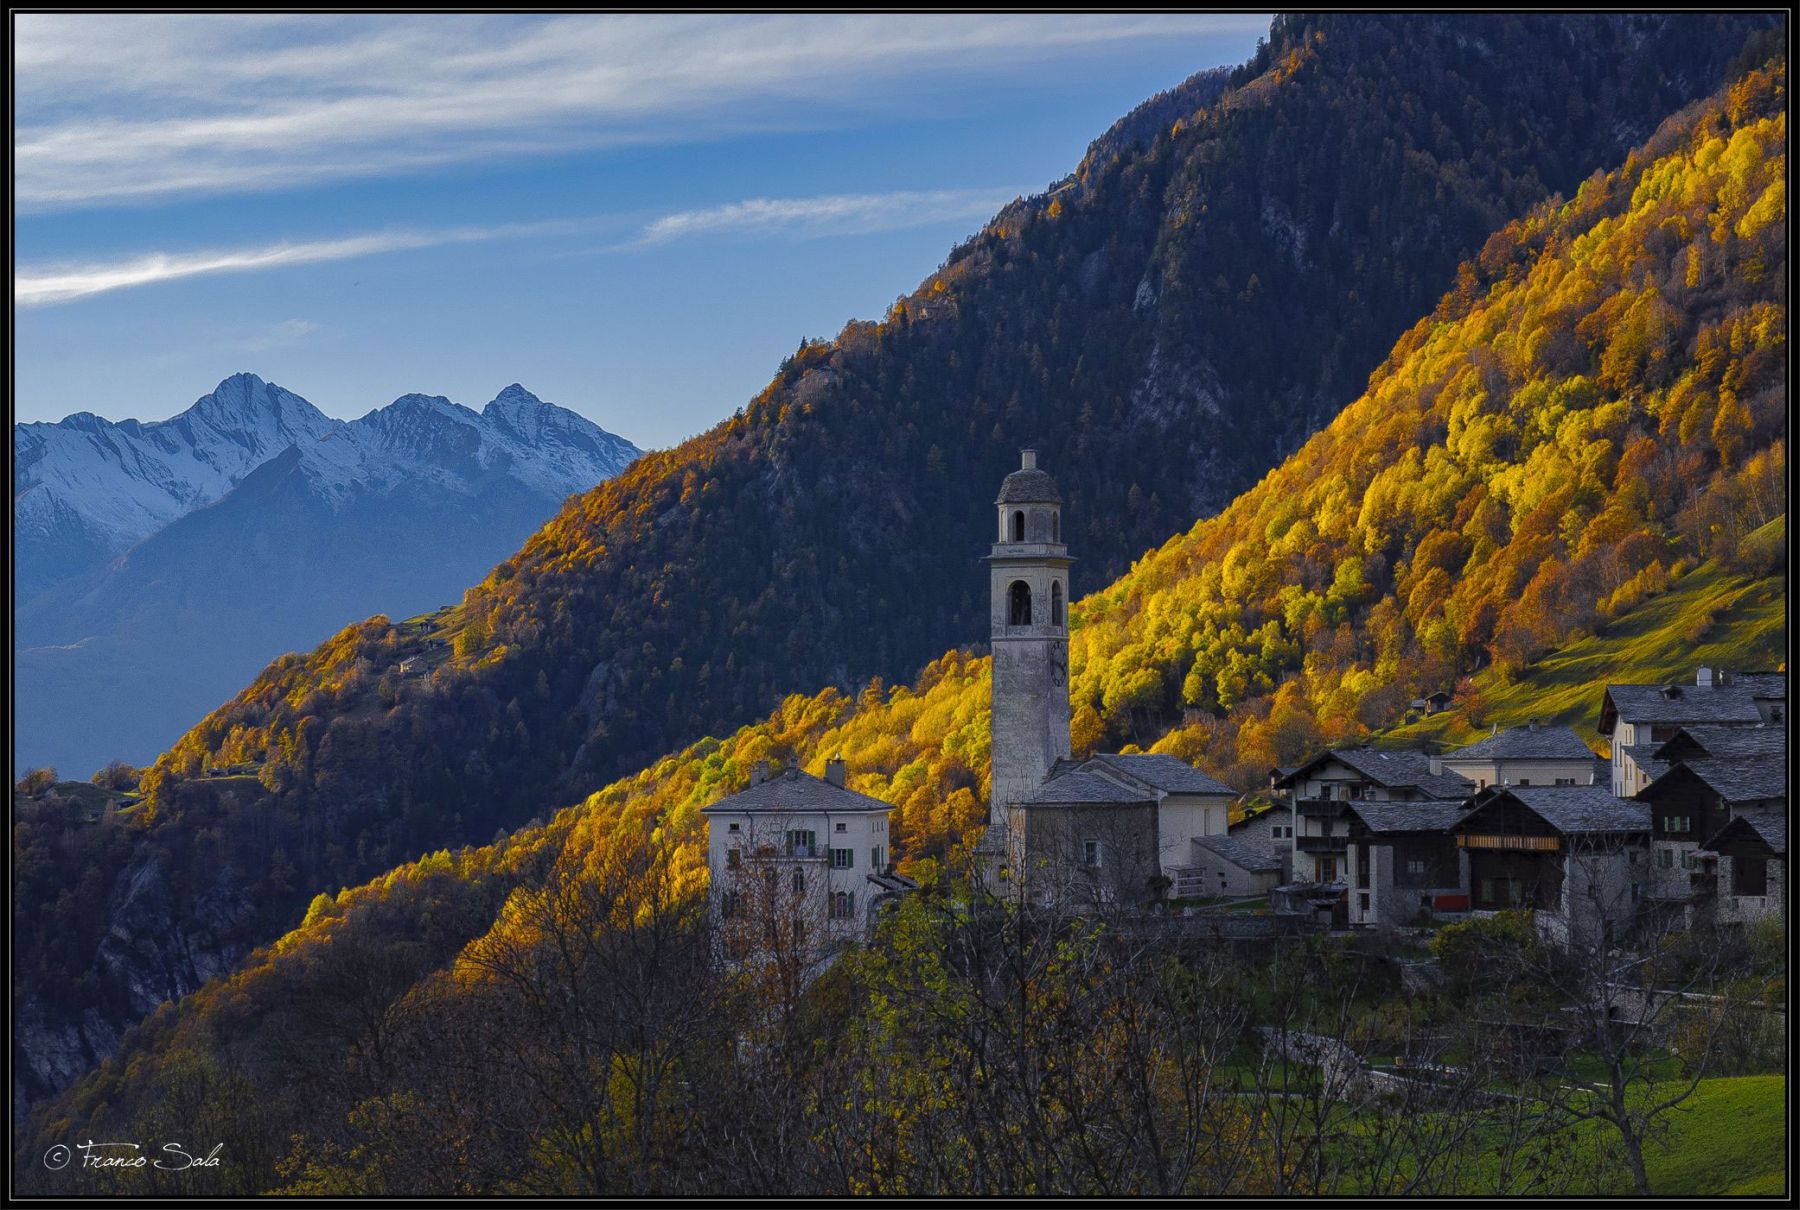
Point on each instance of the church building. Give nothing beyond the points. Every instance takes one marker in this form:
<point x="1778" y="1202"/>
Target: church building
<point x="1112" y="830"/>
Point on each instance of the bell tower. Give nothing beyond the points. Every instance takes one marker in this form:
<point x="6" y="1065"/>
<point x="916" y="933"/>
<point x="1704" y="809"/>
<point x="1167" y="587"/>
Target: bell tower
<point x="1029" y="578"/>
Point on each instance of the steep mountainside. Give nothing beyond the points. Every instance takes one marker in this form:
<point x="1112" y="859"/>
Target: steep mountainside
<point x="395" y="511"/>
<point x="1163" y="327"/>
<point x="86" y="489"/>
<point x="1599" y="405"/>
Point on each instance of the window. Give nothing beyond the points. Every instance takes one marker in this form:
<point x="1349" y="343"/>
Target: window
<point x="1675" y="823"/>
<point x="1018" y="609"/>
<point x="1415" y="867"/>
<point x="1524" y="781"/>
<point x="1056" y="610"/>
<point x="843" y="905"/>
<point x="1056" y="536"/>
<point x="1018" y="526"/>
<point x="876" y="858"/>
<point x="1565" y="781"/>
<point x="730" y="904"/>
<point x="799" y="882"/>
<point x="843" y="827"/>
<point x="732" y="829"/>
<point x="1665" y="859"/>
<point x="802" y="844"/>
<point x="731" y="859"/>
<point x="1362" y="901"/>
<point x="843" y="859"/>
<point x="1690" y="860"/>
<point x="1090" y="854"/>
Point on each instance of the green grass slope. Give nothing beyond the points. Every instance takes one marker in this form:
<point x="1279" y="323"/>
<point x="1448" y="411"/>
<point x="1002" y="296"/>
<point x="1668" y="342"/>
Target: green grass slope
<point x="1709" y="617"/>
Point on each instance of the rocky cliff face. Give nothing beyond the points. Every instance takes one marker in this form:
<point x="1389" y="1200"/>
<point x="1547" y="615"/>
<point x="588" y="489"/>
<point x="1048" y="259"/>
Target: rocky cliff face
<point x="156" y="949"/>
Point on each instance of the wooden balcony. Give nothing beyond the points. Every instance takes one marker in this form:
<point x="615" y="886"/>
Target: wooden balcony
<point x="1322" y="844"/>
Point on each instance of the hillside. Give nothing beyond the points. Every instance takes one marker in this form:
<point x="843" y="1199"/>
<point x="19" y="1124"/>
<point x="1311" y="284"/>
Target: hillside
<point x="1165" y="326"/>
<point x="1712" y="617"/>
<point x="286" y="1042"/>
<point x="823" y="536"/>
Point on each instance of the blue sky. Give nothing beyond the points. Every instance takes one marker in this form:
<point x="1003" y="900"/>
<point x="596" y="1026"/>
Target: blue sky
<point x="635" y="216"/>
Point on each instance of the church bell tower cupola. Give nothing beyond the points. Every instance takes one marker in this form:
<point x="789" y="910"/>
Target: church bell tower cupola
<point x="1029" y="578"/>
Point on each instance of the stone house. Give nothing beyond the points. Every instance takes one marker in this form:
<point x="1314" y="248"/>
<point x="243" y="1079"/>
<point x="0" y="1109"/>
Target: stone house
<point x="1700" y="779"/>
<point x="1748" y="863"/>
<point x="1636" y="719"/>
<point x="1318" y="789"/>
<point x="1576" y="855"/>
<point x="791" y="860"/>
<point x="1403" y="863"/>
<point x="1532" y="755"/>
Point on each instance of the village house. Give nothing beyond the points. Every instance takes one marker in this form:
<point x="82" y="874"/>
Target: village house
<point x="1701" y="778"/>
<point x="1272" y="828"/>
<point x="1404" y="865"/>
<point x="1318" y="789"/>
<point x="1636" y="719"/>
<point x="1229" y="866"/>
<point x="797" y="863"/>
<point x="1531" y="755"/>
<point x="1748" y="865"/>
<point x="1576" y="855"/>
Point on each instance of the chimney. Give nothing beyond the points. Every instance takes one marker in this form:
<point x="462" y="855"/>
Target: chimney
<point x="834" y="770"/>
<point x="1493" y="728"/>
<point x="1704" y="677"/>
<point x="759" y="773"/>
<point x="1028" y="460"/>
<point x="1532" y="724"/>
<point x="1437" y="764"/>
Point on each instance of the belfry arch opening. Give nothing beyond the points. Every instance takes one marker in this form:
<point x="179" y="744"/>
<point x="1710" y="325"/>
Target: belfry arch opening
<point x="1056" y="604"/>
<point x="1018" y="604"/>
<point x="1018" y="525"/>
<point x="1056" y="527"/>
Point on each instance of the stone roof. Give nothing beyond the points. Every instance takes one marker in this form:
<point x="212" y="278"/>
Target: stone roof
<point x="1077" y="786"/>
<point x="1579" y="809"/>
<point x="1244" y="854"/>
<point x="1395" y="769"/>
<point x="1700" y="740"/>
<point x="1770" y="686"/>
<point x="1734" y="703"/>
<point x="1644" y="756"/>
<point x="1029" y="487"/>
<point x="1733" y="778"/>
<point x="1770" y="827"/>
<point x="1392" y="817"/>
<point x="793" y="792"/>
<point x="1167" y="773"/>
<point x="1530" y="742"/>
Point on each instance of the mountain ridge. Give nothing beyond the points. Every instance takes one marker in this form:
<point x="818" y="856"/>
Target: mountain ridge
<point x="395" y="510"/>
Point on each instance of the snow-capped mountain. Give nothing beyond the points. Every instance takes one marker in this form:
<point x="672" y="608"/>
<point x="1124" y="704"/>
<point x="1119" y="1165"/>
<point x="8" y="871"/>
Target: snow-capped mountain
<point x="271" y="548"/>
<point x="86" y="488"/>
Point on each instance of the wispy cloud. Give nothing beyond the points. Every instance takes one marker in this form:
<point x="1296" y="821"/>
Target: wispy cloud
<point x="831" y="214"/>
<point x="121" y="107"/>
<point x="43" y="284"/>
